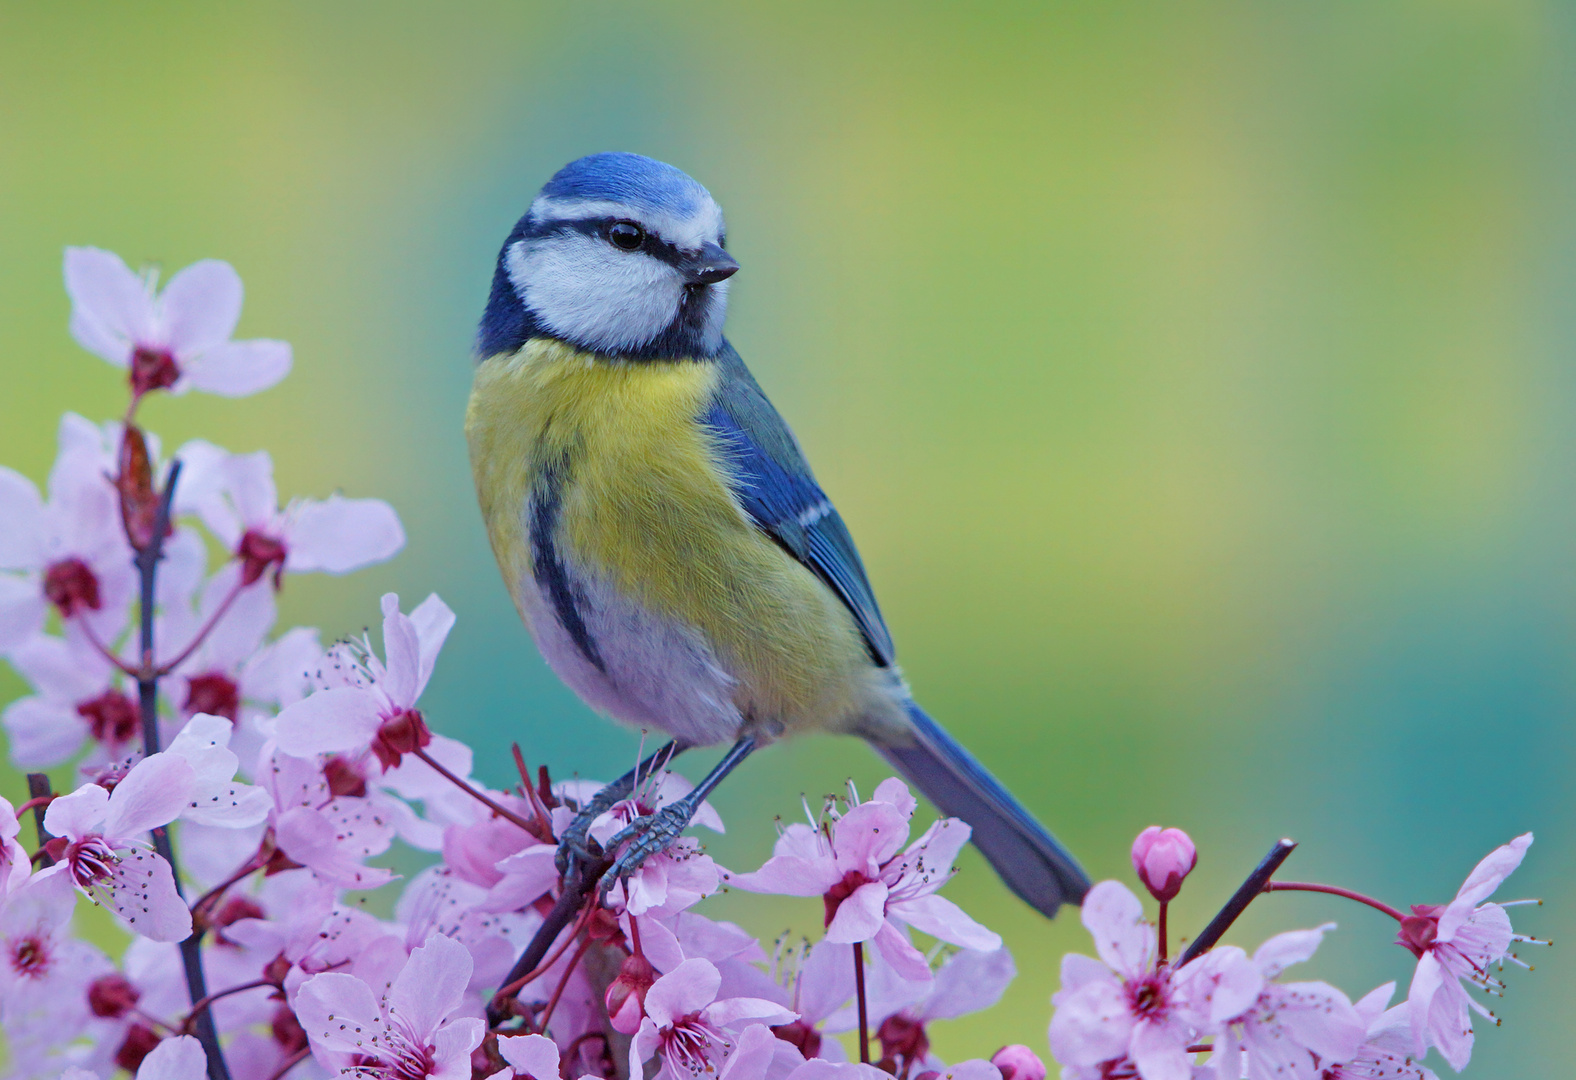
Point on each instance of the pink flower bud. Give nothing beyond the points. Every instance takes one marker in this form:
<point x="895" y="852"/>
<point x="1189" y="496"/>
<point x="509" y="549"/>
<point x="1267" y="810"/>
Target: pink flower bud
<point x="626" y="998"/>
<point x="1162" y="858"/>
<point x="1018" y="1062"/>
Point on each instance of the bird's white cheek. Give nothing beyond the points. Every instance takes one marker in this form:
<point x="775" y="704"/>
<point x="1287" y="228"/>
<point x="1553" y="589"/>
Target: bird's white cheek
<point x="586" y="292"/>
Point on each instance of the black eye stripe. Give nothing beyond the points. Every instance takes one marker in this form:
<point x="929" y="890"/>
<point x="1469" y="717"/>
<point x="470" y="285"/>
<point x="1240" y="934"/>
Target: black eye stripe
<point x="597" y="228"/>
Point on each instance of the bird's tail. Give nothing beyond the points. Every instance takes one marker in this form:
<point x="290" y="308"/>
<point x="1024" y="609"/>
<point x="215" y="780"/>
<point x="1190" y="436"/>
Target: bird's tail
<point x="1028" y="858"/>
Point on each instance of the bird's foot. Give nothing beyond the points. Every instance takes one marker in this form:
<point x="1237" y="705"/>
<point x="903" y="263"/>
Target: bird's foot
<point x="648" y="835"/>
<point x="576" y="848"/>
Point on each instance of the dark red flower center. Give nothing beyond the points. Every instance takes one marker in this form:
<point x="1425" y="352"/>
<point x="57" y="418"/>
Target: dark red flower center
<point x="287" y="1031"/>
<point x="801" y="1035"/>
<point x="112" y="996"/>
<point x="153" y="369"/>
<point x="257" y="553"/>
<point x="1148" y="996"/>
<point x="71" y="586"/>
<point x="834" y="897"/>
<point x="214" y="693"/>
<point x="403" y="733"/>
<point x="344" y="778"/>
<point x="30" y="956"/>
<point x="90" y="860"/>
<point x="113" y="718"/>
<point x="1419" y="929"/>
<point x="139" y="1043"/>
<point x="234" y="910"/>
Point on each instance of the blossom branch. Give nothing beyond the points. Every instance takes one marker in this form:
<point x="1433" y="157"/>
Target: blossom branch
<point x="577" y="885"/>
<point x="148" y="556"/>
<point x="1239" y="901"/>
<point x="205" y="629"/>
<point x="38" y="789"/>
<point x="859" y="993"/>
<point x="492" y="804"/>
<point x="1334" y="890"/>
<point x="185" y="1026"/>
<point x="103" y="650"/>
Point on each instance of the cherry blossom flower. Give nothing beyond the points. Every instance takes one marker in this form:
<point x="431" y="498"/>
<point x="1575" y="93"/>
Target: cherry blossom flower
<point x="14" y="865"/>
<point x="1162" y="858"/>
<point x="332" y="835"/>
<point x="1387" y="1049"/>
<point x="404" y="1033"/>
<point x="177" y="339"/>
<point x="179" y="1058"/>
<point x="234" y="494"/>
<point x="81" y="696"/>
<point x="1456" y="944"/>
<point x="99" y="843"/>
<point x="69" y="554"/>
<point x="689" y="1028"/>
<point x="217" y="797"/>
<point x="373" y="705"/>
<point x="1018" y="1062"/>
<point x="868" y="887"/>
<point x="1291" y="1029"/>
<point x="1127" y="1006"/>
<point x="679" y="876"/>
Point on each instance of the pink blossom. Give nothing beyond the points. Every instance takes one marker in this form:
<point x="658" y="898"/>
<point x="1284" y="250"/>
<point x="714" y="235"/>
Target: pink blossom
<point x="1291" y="1030"/>
<point x="180" y="1058"/>
<point x="217" y="797"/>
<point x="178" y="339"/>
<point x="14" y="865"/>
<point x="1018" y="1062"/>
<point x="70" y="553"/>
<point x="333" y="835"/>
<point x="99" y="843"/>
<point x="403" y="1034"/>
<point x="1162" y="858"/>
<point x="1387" y="1049"/>
<point x="1128" y="1007"/>
<point x="688" y="1027"/>
<point x="374" y="704"/>
<point x="1457" y="944"/>
<point x="234" y="494"/>
<point x="674" y="879"/>
<point x="868" y="887"/>
<point x="81" y="696"/>
<point x="532" y="1056"/>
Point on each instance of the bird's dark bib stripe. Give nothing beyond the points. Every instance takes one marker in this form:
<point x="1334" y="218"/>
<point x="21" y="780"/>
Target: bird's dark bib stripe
<point x="549" y="568"/>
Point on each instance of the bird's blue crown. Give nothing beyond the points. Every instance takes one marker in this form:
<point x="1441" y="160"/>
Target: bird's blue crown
<point x="632" y="179"/>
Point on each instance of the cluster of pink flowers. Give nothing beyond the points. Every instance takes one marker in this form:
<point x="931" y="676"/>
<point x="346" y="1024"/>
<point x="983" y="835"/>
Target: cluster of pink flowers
<point x="234" y="785"/>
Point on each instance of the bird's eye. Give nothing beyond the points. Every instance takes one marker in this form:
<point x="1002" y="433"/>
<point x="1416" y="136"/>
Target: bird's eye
<point x="626" y="235"/>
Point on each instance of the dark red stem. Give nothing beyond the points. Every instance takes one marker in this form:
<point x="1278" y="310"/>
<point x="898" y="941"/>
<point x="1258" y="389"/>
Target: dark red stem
<point x="1334" y="890"/>
<point x="859" y="992"/>
<point x="491" y="804"/>
<point x="204" y="630"/>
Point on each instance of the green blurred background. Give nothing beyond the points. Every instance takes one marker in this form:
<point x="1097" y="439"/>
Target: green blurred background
<point x="1196" y="378"/>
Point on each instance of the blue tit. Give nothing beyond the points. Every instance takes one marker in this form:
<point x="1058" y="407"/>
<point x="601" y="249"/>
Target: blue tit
<point x="659" y="528"/>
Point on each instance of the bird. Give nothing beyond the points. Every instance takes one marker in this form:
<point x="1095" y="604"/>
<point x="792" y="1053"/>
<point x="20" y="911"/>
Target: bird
<point x="661" y="532"/>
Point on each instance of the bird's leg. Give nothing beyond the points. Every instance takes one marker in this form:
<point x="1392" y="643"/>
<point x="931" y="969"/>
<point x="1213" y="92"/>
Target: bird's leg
<point x="572" y="845"/>
<point x="654" y="832"/>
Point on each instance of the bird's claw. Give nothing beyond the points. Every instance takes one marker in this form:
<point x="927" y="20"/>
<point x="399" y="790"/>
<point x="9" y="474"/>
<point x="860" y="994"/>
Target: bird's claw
<point x="648" y="835"/>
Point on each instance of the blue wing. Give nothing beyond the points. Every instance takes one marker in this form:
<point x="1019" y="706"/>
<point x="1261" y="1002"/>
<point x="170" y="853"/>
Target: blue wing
<point x="773" y="482"/>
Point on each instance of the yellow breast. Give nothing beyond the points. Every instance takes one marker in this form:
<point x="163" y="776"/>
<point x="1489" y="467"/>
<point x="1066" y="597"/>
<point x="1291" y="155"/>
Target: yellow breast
<point x="646" y="506"/>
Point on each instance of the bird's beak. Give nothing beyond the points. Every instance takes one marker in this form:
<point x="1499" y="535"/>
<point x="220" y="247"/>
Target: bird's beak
<point x="708" y="266"/>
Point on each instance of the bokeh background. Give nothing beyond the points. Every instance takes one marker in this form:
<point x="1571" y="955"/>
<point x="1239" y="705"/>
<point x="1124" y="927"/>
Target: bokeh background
<point x="1196" y="378"/>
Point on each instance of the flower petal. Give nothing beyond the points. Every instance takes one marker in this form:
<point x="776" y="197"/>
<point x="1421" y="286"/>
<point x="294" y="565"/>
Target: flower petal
<point x="941" y="918"/>
<point x="329" y="721"/>
<point x="1160" y="1051"/>
<point x="789" y="875"/>
<point x="22" y="610"/>
<point x="200" y="307"/>
<point x="1092" y="1024"/>
<point x="339" y="535"/>
<point x="969" y="982"/>
<point x="21" y="522"/>
<point x="180" y="1058"/>
<point x="401" y="655"/>
<point x="431" y="985"/>
<point x="860" y="916"/>
<point x="77" y="814"/>
<point x="535" y="1056"/>
<point x="142" y="891"/>
<point x="110" y="307"/>
<point x="153" y="793"/>
<point x="1481" y="883"/>
<point x="339" y="1013"/>
<point x="687" y="988"/>
<point x="1293" y="947"/>
<point x="1115" y="918"/>
<point x="237" y="368"/>
<point x="898" y="951"/>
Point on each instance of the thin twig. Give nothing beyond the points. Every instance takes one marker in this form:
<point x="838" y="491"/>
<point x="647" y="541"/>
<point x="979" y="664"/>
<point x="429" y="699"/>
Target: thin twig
<point x="558" y="991"/>
<point x="577" y="885"/>
<point x="1239" y="901"/>
<point x="1333" y="890"/>
<point x="1163" y="906"/>
<point x="217" y="994"/>
<point x="38" y="788"/>
<point x="859" y="992"/>
<point x="103" y="650"/>
<point x="251" y="866"/>
<point x="291" y="1062"/>
<point x="147" y="563"/>
<point x="204" y="630"/>
<point x="485" y="800"/>
<point x="516" y="985"/>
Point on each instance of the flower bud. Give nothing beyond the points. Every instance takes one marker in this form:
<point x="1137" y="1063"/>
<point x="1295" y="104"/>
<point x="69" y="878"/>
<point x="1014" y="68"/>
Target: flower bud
<point x="626" y="998"/>
<point x="112" y="996"/>
<point x="1162" y="858"/>
<point x="1018" y="1062"/>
